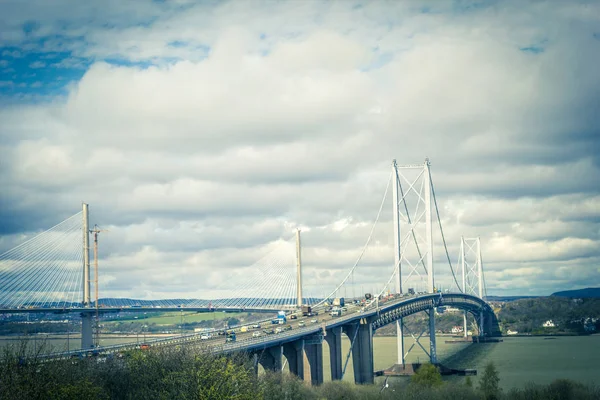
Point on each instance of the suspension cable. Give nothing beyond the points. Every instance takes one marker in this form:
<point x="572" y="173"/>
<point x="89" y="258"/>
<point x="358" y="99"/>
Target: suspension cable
<point x="437" y="211"/>
<point x="364" y="247"/>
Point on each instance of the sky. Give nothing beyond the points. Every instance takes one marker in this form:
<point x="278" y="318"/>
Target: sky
<point x="203" y="132"/>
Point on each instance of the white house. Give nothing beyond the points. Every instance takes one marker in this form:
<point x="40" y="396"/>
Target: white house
<point x="509" y="332"/>
<point x="457" y="329"/>
<point x="549" y="324"/>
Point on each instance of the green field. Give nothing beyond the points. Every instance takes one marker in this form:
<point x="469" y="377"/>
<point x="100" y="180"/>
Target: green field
<point x="175" y="318"/>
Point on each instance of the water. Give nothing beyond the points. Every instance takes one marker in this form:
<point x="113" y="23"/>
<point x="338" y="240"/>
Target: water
<point x="385" y="355"/>
<point x="519" y="360"/>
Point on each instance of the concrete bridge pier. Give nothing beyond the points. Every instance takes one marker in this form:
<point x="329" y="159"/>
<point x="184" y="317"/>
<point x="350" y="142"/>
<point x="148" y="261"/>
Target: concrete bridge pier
<point x="313" y="349"/>
<point x="362" y="351"/>
<point x="255" y="363"/>
<point x="294" y="353"/>
<point x="87" y="333"/>
<point x="334" y="340"/>
<point x="432" y="343"/>
<point x="271" y="358"/>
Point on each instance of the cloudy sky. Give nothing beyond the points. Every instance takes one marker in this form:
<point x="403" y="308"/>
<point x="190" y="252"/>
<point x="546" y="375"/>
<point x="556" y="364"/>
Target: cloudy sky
<point x="201" y="133"/>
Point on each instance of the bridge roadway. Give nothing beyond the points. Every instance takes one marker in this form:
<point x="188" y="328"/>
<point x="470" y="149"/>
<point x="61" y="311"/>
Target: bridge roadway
<point x="306" y="341"/>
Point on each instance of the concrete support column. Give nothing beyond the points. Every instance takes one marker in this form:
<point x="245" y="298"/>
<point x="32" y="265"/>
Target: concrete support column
<point x="465" y="327"/>
<point x="255" y="363"/>
<point x="481" y="325"/>
<point x="314" y="355"/>
<point x="432" y="344"/>
<point x="400" y="340"/>
<point x="271" y="358"/>
<point x="87" y="333"/>
<point x="294" y="353"/>
<point x="362" y="352"/>
<point x="334" y="340"/>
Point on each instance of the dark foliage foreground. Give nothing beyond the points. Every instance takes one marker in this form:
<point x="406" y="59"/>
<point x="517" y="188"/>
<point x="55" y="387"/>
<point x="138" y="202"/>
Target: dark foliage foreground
<point x="186" y="373"/>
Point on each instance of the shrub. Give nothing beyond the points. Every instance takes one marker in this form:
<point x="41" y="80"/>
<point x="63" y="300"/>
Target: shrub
<point x="427" y="375"/>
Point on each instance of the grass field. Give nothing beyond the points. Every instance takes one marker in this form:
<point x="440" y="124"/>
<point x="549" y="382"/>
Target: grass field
<point x="174" y="318"/>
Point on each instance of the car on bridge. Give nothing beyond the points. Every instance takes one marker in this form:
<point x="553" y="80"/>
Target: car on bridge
<point x="283" y="329"/>
<point x="205" y="336"/>
<point x="256" y="326"/>
<point x="256" y="334"/>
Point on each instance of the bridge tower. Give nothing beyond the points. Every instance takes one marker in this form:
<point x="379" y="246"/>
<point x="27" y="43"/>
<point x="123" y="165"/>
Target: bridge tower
<point x="298" y="269"/>
<point x="412" y="249"/>
<point x="472" y="272"/>
<point x="87" y="336"/>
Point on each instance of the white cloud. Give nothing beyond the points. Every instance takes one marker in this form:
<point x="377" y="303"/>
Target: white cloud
<point x="230" y="140"/>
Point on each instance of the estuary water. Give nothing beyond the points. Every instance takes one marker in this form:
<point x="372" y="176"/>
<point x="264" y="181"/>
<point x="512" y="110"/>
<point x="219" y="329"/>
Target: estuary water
<point x="519" y="360"/>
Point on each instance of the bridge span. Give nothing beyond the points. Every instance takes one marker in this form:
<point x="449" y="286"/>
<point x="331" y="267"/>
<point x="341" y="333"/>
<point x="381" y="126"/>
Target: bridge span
<point x="51" y="272"/>
<point x="306" y="343"/>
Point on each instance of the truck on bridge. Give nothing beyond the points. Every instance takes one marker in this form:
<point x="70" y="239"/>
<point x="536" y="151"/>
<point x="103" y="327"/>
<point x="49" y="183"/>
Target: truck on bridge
<point x="306" y="311"/>
<point x="281" y="318"/>
<point x="339" y="302"/>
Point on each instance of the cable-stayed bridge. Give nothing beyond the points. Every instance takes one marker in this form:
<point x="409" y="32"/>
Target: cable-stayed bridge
<point x="54" y="272"/>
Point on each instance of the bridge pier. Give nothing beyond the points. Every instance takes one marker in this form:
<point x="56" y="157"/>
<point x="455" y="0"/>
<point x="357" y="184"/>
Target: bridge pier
<point x="362" y="351"/>
<point x="314" y="354"/>
<point x="334" y="340"/>
<point x="481" y="325"/>
<point x="271" y="358"/>
<point x="87" y="334"/>
<point x="432" y="344"/>
<point x="400" y="340"/>
<point x="255" y="363"/>
<point x="294" y="353"/>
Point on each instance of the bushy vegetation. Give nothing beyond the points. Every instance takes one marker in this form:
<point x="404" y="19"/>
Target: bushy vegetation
<point x="187" y="373"/>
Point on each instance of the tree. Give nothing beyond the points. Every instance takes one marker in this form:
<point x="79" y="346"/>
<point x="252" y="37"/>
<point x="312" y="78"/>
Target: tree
<point x="489" y="382"/>
<point x="468" y="382"/>
<point x="427" y="375"/>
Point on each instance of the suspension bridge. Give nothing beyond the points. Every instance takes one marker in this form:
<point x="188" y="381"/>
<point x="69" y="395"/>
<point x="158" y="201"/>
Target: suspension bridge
<point x="52" y="272"/>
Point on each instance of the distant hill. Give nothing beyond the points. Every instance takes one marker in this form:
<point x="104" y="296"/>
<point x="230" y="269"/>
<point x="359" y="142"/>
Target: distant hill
<point x="509" y="298"/>
<point x="580" y="293"/>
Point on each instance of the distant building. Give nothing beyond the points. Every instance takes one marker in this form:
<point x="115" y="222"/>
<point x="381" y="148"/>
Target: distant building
<point x="452" y="310"/>
<point x="509" y="332"/>
<point x="549" y="324"/>
<point x="457" y="329"/>
<point x="590" y="325"/>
